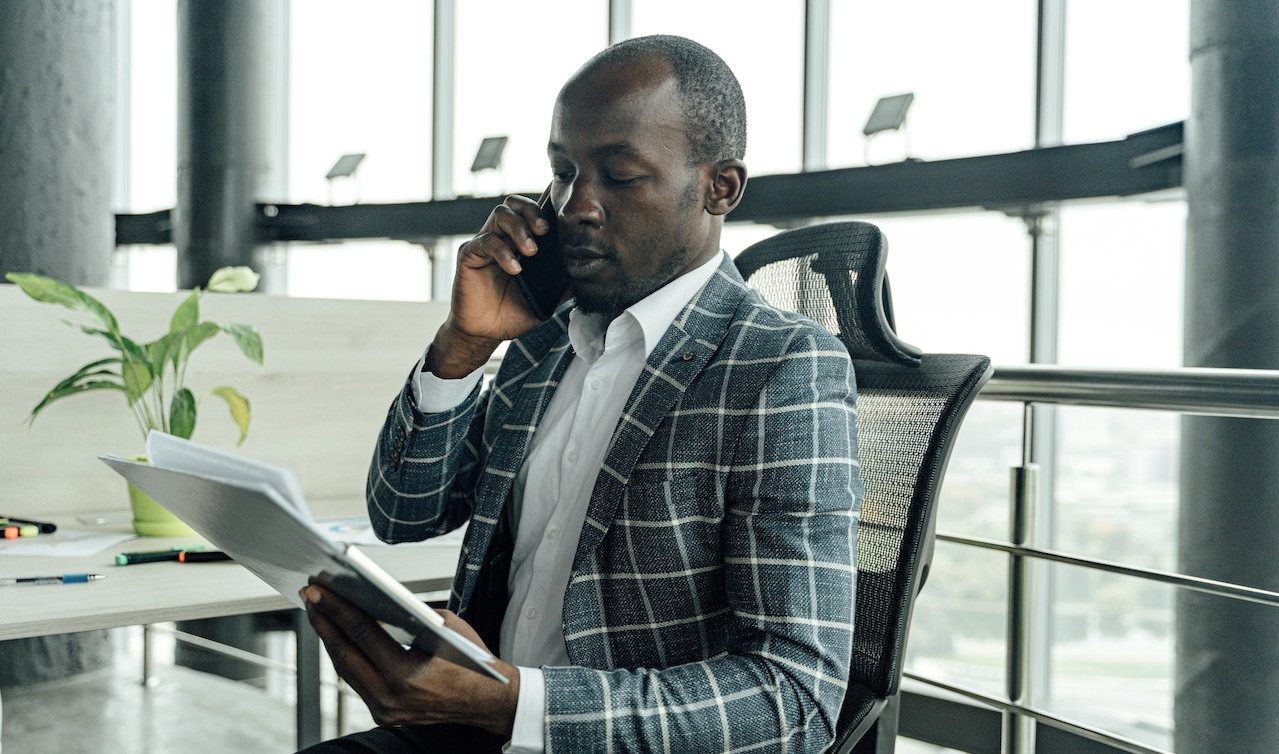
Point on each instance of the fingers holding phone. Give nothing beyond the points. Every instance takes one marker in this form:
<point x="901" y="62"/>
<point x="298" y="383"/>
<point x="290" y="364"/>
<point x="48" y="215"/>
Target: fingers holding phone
<point x="543" y="278"/>
<point x="487" y="302"/>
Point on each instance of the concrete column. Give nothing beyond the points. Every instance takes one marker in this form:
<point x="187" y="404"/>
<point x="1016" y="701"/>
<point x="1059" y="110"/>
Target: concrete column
<point x="232" y="144"/>
<point x="57" y="71"/>
<point x="227" y="84"/>
<point x="1227" y="672"/>
<point x="57" y="115"/>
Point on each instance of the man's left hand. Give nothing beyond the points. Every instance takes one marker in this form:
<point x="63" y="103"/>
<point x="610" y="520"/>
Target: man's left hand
<point x="409" y="686"/>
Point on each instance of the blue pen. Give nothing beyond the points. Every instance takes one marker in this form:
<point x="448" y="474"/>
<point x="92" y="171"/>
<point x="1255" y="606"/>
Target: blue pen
<point x="70" y="578"/>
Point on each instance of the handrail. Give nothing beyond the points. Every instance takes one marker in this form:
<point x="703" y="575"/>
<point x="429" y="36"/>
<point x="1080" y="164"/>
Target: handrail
<point x="1089" y="732"/>
<point x="1206" y="586"/>
<point x="1193" y="390"/>
<point x="1250" y="393"/>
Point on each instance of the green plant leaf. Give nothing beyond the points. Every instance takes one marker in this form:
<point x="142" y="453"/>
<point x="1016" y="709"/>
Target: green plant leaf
<point x="137" y="369"/>
<point x="239" y="406"/>
<point x="182" y="414"/>
<point x="187" y="314"/>
<point x="112" y="339"/>
<point x="200" y="333"/>
<point x="247" y="339"/>
<point x="165" y="349"/>
<point x="69" y="389"/>
<point x="46" y="290"/>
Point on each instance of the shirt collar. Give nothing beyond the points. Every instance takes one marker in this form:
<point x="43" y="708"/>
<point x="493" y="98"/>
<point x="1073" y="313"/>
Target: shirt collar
<point x="652" y="315"/>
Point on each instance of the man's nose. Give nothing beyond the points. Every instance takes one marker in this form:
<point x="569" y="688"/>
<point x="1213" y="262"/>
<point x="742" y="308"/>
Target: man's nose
<point x="581" y="206"/>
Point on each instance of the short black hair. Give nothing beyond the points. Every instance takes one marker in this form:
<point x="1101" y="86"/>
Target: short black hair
<point x="714" y="108"/>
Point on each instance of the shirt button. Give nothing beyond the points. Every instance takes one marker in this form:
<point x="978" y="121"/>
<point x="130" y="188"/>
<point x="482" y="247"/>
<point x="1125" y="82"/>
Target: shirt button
<point x="532" y="613"/>
<point x="571" y="456"/>
<point x="553" y="532"/>
<point x="596" y="384"/>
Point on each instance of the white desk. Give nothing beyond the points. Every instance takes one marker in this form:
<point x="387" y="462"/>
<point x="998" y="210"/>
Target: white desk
<point x="160" y="592"/>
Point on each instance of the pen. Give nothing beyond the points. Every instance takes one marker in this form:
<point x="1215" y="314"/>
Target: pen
<point x="70" y="578"/>
<point x="196" y="556"/>
<point x="13" y="531"/>
<point x="44" y="526"/>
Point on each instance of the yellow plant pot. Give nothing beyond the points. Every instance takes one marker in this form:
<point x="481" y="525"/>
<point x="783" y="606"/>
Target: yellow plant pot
<point x="150" y="519"/>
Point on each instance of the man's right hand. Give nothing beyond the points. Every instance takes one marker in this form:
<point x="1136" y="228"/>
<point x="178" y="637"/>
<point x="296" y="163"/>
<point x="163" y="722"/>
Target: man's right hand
<point x="487" y="306"/>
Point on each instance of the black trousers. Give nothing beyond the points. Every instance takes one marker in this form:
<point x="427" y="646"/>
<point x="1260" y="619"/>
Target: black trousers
<point x="403" y="739"/>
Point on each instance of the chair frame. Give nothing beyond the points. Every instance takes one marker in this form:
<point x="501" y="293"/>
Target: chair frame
<point x="850" y="257"/>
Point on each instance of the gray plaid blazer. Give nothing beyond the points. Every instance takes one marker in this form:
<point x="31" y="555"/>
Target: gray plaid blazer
<point x="710" y="607"/>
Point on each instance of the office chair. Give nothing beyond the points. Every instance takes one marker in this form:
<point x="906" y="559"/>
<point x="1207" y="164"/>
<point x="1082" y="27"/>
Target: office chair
<point x="909" y="408"/>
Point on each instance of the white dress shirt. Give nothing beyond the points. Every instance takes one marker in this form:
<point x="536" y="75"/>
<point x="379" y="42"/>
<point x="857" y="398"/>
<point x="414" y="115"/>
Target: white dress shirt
<point x="553" y="488"/>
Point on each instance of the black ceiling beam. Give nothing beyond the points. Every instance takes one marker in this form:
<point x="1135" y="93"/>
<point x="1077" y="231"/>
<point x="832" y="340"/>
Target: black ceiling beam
<point x="1141" y="163"/>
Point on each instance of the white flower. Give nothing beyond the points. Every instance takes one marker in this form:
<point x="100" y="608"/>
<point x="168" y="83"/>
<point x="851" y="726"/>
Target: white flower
<point x="233" y="280"/>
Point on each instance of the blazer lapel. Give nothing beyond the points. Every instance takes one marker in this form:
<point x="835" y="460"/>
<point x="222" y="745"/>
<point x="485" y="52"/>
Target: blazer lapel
<point x="531" y="370"/>
<point x="681" y="355"/>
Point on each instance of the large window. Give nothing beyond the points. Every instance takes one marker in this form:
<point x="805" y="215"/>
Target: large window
<point x="971" y="67"/>
<point x="763" y="42"/>
<point x="512" y="59"/>
<point x="1127" y="67"/>
<point x="360" y="81"/>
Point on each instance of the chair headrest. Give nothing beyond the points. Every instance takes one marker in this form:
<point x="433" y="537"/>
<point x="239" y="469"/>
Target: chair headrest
<point x="833" y="273"/>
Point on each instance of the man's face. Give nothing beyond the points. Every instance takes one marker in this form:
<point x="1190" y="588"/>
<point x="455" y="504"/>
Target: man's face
<point x="629" y="204"/>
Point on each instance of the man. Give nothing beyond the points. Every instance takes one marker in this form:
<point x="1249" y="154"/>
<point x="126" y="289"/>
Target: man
<point x="660" y="482"/>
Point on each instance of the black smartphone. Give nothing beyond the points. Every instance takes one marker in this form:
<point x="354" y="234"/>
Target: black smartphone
<point x="543" y="278"/>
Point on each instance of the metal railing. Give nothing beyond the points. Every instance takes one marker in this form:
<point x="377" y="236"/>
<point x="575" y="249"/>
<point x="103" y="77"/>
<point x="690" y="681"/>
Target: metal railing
<point x="1213" y="392"/>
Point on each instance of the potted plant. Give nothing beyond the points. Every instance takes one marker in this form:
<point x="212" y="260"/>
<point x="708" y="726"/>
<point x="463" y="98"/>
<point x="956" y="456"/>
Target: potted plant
<point x="151" y="376"/>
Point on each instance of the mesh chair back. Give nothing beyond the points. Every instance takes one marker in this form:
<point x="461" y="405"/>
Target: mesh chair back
<point x="909" y="407"/>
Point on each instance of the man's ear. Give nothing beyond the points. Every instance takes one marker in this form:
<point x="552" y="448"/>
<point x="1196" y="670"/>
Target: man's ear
<point x="728" y="183"/>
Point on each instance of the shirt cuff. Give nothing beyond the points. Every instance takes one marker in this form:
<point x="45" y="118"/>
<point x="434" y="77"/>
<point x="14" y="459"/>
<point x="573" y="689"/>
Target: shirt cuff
<point x="433" y="394"/>
<point x="527" y="734"/>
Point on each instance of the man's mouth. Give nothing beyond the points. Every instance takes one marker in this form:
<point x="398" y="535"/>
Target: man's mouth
<point x="582" y="260"/>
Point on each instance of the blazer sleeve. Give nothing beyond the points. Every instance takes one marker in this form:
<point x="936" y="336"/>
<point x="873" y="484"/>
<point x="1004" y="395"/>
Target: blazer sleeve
<point x="789" y="543"/>
<point x="422" y="467"/>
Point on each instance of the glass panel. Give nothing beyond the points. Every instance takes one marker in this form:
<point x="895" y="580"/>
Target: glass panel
<point x="975" y="492"/>
<point x="765" y="49"/>
<point x="1122" y="271"/>
<point x="386" y="270"/>
<point x="959" y="282"/>
<point x="512" y="59"/>
<point x="153" y="269"/>
<point x="958" y="632"/>
<point x="971" y="67"/>
<point x="1117" y="485"/>
<point x="737" y="236"/>
<point x="360" y="81"/>
<point x="153" y="122"/>
<point x="1112" y="654"/>
<point x="1127" y="67"/>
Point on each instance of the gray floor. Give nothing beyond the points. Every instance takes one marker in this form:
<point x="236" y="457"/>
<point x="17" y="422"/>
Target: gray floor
<point x="181" y="710"/>
<point x="110" y="710"/>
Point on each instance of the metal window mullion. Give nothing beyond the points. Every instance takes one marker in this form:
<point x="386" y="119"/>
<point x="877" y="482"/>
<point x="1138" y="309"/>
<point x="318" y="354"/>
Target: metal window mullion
<point x="443" y="105"/>
<point x="443" y="81"/>
<point x="619" y="20"/>
<point x="1018" y="734"/>
<point x="816" y="83"/>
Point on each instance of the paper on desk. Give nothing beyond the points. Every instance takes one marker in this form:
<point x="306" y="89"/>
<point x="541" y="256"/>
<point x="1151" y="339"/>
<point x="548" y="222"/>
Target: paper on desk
<point x="71" y="543"/>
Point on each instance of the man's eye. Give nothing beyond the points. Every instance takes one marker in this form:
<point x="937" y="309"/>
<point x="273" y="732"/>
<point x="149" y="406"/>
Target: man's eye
<point x="622" y="180"/>
<point x="562" y="176"/>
